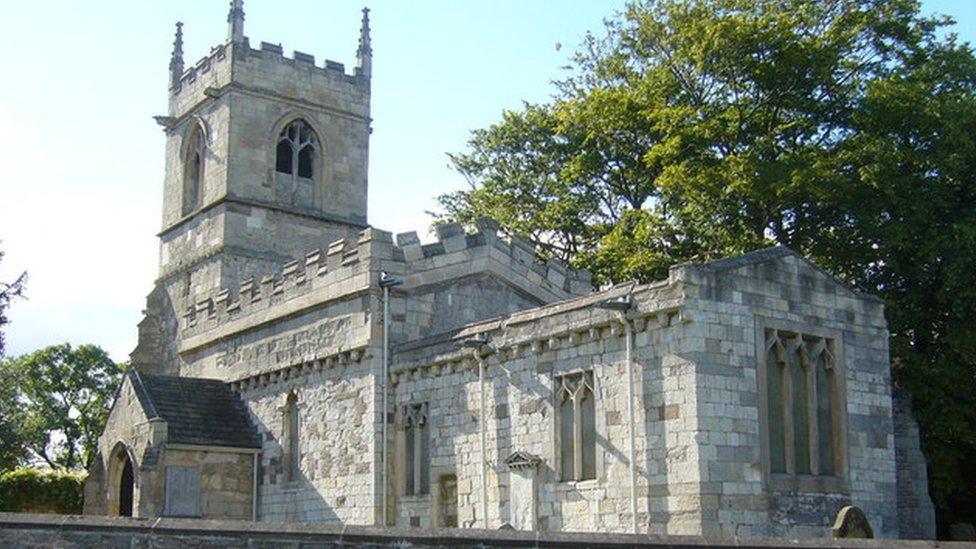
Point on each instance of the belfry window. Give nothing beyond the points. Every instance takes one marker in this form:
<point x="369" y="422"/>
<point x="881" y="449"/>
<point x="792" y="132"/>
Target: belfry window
<point x="802" y="404"/>
<point x="196" y="153"/>
<point x="576" y="417"/>
<point x="291" y="448"/>
<point x="296" y="150"/>
<point x="416" y="450"/>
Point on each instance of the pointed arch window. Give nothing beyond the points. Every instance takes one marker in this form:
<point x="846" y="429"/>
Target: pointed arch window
<point x="417" y="449"/>
<point x="297" y="150"/>
<point x="803" y="404"/>
<point x="193" y="169"/>
<point x="576" y="417"/>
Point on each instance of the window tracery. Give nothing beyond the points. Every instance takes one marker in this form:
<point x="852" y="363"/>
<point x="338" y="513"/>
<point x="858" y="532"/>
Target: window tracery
<point x="417" y="449"/>
<point x="802" y="404"/>
<point x="296" y="150"/>
<point x="576" y="413"/>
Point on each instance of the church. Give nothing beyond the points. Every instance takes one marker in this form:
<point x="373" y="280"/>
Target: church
<point x="297" y="364"/>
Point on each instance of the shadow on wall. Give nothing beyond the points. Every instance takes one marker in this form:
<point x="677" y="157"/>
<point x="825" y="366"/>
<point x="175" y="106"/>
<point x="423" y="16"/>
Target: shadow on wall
<point x="653" y="509"/>
<point x="287" y="490"/>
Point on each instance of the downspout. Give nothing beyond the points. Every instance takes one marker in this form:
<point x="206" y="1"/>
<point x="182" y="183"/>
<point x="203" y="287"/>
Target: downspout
<point x="623" y="304"/>
<point x="629" y="334"/>
<point x="386" y="282"/>
<point x="484" y="445"/>
<point x="254" y="487"/>
<point x="386" y="378"/>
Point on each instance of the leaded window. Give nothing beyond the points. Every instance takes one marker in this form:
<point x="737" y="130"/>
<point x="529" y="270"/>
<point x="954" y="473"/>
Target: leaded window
<point x="576" y="417"/>
<point x="416" y="449"/>
<point x="296" y="150"/>
<point x="803" y="411"/>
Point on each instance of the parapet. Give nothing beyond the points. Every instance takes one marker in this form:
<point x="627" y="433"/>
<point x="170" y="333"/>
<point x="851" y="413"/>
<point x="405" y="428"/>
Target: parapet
<point x="344" y="267"/>
<point x="349" y="266"/>
<point x="258" y="68"/>
<point x="513" y="255"/>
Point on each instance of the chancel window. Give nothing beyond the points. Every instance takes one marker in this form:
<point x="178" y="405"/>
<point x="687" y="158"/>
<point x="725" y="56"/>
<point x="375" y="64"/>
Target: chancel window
<point x="576" y="416"/>
<point x="291" y="448"/>
<point x="803" y="412"/>
<point x="196" y="153"/>
<point x="296" y="150"/>
<point x="416" y="449"/>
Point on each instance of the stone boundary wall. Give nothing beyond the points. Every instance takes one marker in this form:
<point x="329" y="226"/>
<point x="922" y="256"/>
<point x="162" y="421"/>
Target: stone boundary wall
<point x="70" y="531"/>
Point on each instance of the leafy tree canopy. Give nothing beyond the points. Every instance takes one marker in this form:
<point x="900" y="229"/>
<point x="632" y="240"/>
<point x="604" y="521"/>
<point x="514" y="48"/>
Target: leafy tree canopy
<point x="845" y="129"/>
<point x="8" y="292"/>
<point x="58" y="399"/>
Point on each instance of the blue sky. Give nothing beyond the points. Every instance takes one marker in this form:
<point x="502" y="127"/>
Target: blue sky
<point x="81" y="158"/>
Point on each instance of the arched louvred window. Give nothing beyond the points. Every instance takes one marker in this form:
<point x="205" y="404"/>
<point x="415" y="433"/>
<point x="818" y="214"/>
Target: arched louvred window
<point x="296" y="150"/>
<point x="196" y="154"/>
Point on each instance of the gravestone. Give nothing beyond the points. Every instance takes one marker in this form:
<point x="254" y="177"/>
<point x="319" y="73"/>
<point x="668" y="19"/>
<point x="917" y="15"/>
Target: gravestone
<point x="852" y="523"/>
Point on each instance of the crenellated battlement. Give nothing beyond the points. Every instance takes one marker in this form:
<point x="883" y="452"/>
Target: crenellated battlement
<point x="299" y="59"/>
<point x="342" y="268"/>
<point x="350" y="266"/>
<point x="330" y="70"/>
<point x="512" y="253"/>
<point x="203" y="66"/>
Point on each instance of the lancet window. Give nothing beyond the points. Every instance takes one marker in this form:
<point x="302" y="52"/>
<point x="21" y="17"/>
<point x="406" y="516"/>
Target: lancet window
<point x="196" y="154"/>
<point x="576" y="417"/>
<point x="416" y="449"/>
<point x="803" y="411"/>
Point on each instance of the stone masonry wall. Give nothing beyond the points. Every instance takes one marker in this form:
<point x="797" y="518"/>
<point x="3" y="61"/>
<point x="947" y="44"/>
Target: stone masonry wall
<point x="226" y="480"/>
<point x="533" y="348"/>
<point x="916" y="514"/>
<point x="336" y="426"/>
<point x="126" y="430"/>
<point x="731" y="302"/>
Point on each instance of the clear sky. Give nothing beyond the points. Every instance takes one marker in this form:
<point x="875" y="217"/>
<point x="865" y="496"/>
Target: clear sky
<point x="81" y="160"/>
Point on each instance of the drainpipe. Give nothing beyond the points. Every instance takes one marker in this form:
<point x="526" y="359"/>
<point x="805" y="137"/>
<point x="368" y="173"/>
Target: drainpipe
<point x="629" y="334"/>
<point x="254" y="488"/>
<point x="623" y="304"/>
<point x="484" y="445"/>
<point x="386" y="282"/>
<point x="480" y="344"/>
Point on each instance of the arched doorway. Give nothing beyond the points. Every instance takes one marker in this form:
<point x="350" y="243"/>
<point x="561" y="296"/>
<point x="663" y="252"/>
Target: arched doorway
<point x="121" y="482"/>
<point x="126" y="485"/>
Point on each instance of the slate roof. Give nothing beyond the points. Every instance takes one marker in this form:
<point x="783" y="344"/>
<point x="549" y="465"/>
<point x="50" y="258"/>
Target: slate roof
<point x="198" y="411"/>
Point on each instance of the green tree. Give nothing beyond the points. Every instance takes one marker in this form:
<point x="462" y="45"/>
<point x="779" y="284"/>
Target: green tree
<point x="842" y="128"/>
<point x="12" y="449"/>
<point x="9" y="292"/>
<point x="63" y="395"/>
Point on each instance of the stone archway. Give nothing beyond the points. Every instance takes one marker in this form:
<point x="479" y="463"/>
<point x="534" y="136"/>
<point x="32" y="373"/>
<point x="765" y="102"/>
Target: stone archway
<point x="126" y="488"/>
<point x="121" y="487"/>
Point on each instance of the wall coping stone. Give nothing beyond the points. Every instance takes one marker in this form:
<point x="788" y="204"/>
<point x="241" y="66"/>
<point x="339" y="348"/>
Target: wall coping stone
<point x="67" y="527"/>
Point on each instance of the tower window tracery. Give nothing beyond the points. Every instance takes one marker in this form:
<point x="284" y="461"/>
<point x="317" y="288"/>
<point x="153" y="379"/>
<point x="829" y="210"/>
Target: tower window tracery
<point x="296" y="150"/>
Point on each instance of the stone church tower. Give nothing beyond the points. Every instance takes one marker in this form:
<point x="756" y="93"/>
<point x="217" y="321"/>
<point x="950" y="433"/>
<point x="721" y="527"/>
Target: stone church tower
<point x="266" y="158"/>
